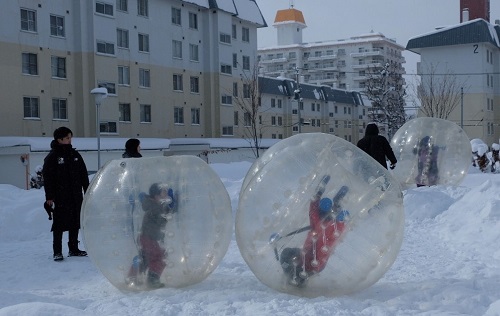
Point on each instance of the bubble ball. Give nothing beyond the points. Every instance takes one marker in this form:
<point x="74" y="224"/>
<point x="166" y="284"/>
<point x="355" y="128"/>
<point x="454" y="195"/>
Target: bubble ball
<point x="319" y="217"/>
<point x="155" y="222"/>
<point x="431" y="151"/>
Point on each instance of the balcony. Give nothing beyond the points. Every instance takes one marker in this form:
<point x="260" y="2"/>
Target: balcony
<point x="368" y="53"/>
<point x="274" y="60"/>
<point x="368" y="65"/>
<point x="322" y="57"/>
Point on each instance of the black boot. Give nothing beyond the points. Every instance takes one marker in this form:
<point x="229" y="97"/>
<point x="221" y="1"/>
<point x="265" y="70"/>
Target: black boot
<point x="74" y="251"/>
<point x="57" y="245"/>
<point x="154" y="280"/>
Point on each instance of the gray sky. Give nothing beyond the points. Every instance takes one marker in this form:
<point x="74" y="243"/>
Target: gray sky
<point x="396" y="19"/>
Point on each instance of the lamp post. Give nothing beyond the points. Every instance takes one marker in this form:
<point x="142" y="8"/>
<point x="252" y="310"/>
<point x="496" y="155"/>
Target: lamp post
<point x="99" y="95"/>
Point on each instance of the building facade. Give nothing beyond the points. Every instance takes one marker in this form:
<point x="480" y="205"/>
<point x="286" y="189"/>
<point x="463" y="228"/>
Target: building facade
<point x="169" y="66"/>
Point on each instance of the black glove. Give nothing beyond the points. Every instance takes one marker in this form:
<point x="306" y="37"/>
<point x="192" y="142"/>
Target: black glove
<point x="48" y="209"/>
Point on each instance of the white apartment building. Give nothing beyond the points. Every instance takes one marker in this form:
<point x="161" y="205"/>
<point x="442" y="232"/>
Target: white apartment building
<point x="169" y="66"/>
<point x="342" y="64"/>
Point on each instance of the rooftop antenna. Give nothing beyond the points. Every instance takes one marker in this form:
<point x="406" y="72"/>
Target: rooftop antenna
<point x="291" y="4"/>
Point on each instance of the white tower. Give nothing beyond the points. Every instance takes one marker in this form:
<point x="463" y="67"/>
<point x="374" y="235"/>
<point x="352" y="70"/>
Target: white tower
<point x="289" y="23"/>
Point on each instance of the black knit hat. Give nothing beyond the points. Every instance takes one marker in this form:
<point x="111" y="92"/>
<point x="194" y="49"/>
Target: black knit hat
<point x="62" y="132"/>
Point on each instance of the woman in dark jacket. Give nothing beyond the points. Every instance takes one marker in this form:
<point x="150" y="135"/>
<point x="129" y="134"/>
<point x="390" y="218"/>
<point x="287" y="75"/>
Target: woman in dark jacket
<point x="132" y="148"/>
<point x="65" y="176"/>
<point x="377" y="146"/>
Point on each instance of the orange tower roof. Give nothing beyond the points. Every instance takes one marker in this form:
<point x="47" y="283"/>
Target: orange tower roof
<point x="289" y="15"/>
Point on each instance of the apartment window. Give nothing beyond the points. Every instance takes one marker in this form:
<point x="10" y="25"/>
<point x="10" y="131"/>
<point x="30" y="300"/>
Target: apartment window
<point x="177" y="79"/>
<point x="176" y="16"/>
<point x="194" y="83"/>
<point x="142" y="8"/>
<point x="59" y="109"/>
<point x="104" y="8"/>
<point x="56" y="25"/>
<point x="110" y="86"/>
<point x="105" y="48"/>
<point x="225" y="38"/>
<point x="124" y="112"/>
<point x="122" y="5"/>
<point x="176" y="49"/>
<point x="273" y="103"/>
<point x="226" y="99"/>
<point x="292" y="55"/>
<point x="31" y="107"/>
<point x="122" y="38"/>
<point x="178" y="115"/>
<point x="245" y="34"/>
<point x="193" y="20"/>
<point x="30" y="64"/>
<point x="236" y="118"/>
<point x="280" y="104"/>
<point x="234" y="31"/>
<point x="145" y="113"/>
<point x="144" y="78"/>
<point x="313" y="107"/>
<point x="235" y="60"/>
<point x="193" y="52"/>
<point x="227" y="131"/>
<point x="246" y="91"/>
<point x="246" y="62"/>
<point x="273" y="120"/>
<point x="195" y="116"/>
<point x="144" y="43"/>
<point x="108" y="127"/>
<point x="123" y="75"/>
<point x="235" y="89"/>
<point x="58" y="65"/>
<point x="28" y="20"/>
<point x="280" y="121"/>
<point x="226" y="69"/>
<point x="247" y="119"/>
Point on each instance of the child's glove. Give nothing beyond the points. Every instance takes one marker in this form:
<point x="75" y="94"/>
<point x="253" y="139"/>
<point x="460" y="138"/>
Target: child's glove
<point x="171" y="195"/>
<point x="342" y="216"/>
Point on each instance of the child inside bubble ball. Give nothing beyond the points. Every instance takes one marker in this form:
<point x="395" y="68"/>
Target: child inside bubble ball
<point x="427" y="155"/>
<point x="157" y="207"/>
<point x="327" y="222"/>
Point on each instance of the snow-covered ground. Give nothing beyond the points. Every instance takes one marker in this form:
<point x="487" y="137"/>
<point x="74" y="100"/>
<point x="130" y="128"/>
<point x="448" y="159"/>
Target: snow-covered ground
<point x="449" y="264"/>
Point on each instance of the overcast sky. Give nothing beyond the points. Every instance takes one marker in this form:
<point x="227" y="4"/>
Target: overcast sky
<point x="396" y="19"/>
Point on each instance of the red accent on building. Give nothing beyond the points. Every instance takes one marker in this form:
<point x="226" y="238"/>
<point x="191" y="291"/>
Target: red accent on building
<point x="477" y="9"/>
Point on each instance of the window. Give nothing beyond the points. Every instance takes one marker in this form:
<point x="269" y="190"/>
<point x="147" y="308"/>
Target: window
<point x="227" y="131"/>
<point x="142" y="8"/>
<point x="56" y="25"/>
<point x="226" y="99"/>
<point x="107" y="127"/>
<point x="235" y="89"/>
<point x="226" y="69"/>
<point x="144" y="78"/>
<point x="176" y="49"/>
<point x="122" y="38"/>
<point x="193" y="20"/>
<point x="28" y="20"/>
<point x="246" y="62"/>
<point x="59" y="109"/>
<point x="177" y="80"/>
<point x="194" y="83"/>
<point x="30" y="64"/>
<point x="145" y="113"/>
<point x="110" y="86"/>
<point x="195" y="116"/>
<point x="31" y="107"/>
<point x="234" y="31"/>
<point x="236" y="118"/>
<point x="246" y="91"/>
<point x="122" y="5"/>
<point x="273" y="120"/>
<point x="280" y="121"/>
<point x="247" y="120"/>
<point x="245" y="34"/>
<point x="176" y="16"/>
<point x="124" y="112"/>
<point x="280" y="104"/>
<point x="105" y="48"/>
<point x="313" y="107"/>
<point x="225" y="38"/>
<point x="193" y="52"/>
<point x="144" y="43"/>
<point x="123" y="75"/>
<point x="178" y="115"/>
<point x="104" y="8"/>
<point x="235" y="60"/>
<point x="58" y="65"/>
<point x="273" y="103"/>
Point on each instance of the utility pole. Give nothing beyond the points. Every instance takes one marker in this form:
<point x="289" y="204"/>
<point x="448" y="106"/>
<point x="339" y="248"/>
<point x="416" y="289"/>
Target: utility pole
<point x="297" y="97"/>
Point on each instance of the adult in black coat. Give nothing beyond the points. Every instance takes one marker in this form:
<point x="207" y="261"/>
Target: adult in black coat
<point x="377" y="146"/>
<point x="132" y="148"/>
<point x="65" y="175"/>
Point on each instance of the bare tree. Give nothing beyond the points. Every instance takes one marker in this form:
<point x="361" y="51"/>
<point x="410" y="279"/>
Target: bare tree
<point x="438" y="94"/>
<point x="384" y="88"/>
<point x="249" y="101"/>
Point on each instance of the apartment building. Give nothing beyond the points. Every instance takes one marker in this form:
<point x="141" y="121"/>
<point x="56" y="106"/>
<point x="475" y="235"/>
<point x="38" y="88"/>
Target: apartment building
<point x="169" y="66"/>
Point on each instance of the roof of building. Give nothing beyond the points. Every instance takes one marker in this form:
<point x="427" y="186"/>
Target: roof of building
<point x="247" y="10"/>
<point x="289" y="15"/>
<point x="474" y="31"/>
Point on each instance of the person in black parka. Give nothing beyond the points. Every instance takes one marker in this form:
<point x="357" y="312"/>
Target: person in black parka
<point x="377" y="146"/>
<point x="65" y="177"/>
<point x="132" y="148"/>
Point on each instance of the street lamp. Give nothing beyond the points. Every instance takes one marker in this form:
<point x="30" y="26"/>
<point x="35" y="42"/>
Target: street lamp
<point x="99" y="95"/>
